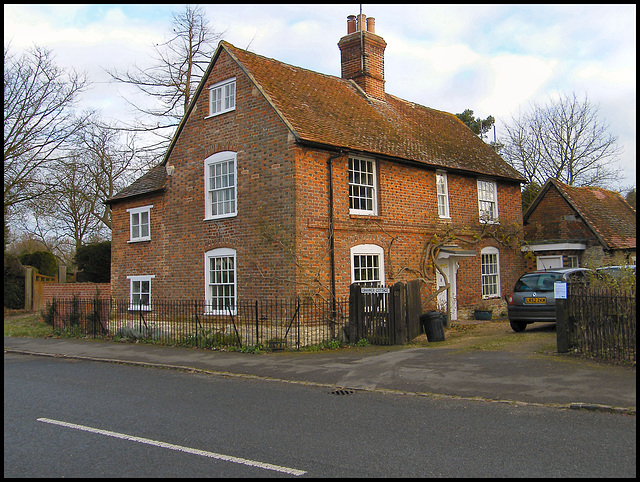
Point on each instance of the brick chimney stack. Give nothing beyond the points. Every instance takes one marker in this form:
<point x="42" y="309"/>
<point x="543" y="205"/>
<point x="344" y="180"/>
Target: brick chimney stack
<point x="362" y="55"/>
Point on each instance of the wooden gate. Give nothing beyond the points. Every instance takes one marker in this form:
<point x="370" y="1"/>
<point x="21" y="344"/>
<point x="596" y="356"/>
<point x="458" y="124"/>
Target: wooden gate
<point x="384" y="316"/>
<point x="33" y="281"/>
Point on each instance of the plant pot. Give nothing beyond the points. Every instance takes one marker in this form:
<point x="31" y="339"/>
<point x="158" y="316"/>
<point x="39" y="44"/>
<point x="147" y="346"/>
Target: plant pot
<point x="482" y="314"/>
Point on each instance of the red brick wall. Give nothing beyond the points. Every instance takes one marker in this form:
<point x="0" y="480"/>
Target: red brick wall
<point x="66" y="291"/>
<point x="266" y="201"/>
<point x="407" y="216"/>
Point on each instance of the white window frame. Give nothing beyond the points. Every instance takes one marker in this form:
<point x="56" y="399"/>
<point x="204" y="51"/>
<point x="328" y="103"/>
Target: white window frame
<point x="223" y="160"/>
<point x="212" y="305"/>
<point x="490" y="278"/>
<point x="366" y="250"/>
<point x="442" y="194"/>
<point x="488" y="193"/>
<point x="222" y="97"/>
<point x="138" y="213"/>
<point x="132" y="283"/>
<point x="357" y="183"/>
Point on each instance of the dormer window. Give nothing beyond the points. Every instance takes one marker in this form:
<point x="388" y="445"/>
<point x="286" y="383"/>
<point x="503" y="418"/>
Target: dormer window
<point x="222" y="97"/>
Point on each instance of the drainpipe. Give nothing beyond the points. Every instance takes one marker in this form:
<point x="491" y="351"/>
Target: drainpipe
<point x="331" y="231"/>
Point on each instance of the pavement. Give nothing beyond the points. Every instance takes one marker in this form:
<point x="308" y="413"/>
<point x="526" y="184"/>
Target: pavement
<point x="556" y="381"/>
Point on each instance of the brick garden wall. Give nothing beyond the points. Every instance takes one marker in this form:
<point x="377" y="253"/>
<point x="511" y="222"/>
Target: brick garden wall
<point x="80" y="290"/>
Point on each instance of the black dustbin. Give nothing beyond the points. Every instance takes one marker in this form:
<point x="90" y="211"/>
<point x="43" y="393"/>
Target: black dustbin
<point x="432" y="325"/>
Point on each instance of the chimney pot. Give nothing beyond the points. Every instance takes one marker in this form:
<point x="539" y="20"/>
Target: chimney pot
<point x="361" y="21"/>
<point x="351" y="24"/>
<point x="371" y="25"/>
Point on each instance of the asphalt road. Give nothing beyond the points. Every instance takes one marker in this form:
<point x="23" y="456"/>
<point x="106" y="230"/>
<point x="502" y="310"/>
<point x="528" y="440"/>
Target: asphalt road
<point x="66" y="418"/>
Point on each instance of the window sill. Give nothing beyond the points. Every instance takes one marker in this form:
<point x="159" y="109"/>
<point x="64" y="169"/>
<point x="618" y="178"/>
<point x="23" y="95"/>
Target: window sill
<point x="363" y="215"/>
<point x="141" y="240"/>
<point x="219" y="113"/>
<point x="225" y="216"/>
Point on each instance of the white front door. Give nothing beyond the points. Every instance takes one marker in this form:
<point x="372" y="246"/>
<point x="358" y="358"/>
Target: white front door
<point x="450" y="267"/>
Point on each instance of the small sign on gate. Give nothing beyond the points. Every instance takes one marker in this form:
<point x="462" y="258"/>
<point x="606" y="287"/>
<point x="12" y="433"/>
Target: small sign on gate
<point x="377" y="291"/>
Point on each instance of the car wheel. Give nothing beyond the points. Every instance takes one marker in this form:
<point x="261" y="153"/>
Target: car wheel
<point x="518" y="326"/>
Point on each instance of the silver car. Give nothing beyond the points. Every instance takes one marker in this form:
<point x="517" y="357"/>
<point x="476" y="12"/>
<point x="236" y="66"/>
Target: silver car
<point x="533" y="297"/>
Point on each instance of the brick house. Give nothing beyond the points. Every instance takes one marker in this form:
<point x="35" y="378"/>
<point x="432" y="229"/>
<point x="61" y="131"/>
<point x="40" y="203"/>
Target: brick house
<point x="283" y="182"/>
<point x="579" y="226"/>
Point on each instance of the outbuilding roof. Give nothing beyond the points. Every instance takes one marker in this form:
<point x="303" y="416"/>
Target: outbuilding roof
<point x="606" y="213"/>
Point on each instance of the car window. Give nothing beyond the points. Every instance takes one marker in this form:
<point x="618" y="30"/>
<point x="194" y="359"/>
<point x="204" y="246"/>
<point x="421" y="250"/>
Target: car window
<point x="537" y="282"/>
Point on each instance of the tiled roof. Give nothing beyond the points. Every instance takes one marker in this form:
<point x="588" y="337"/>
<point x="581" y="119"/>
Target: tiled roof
<point x="331" y="111"/>
<point x="607" y="214"/>
<point x="152" y="181"/>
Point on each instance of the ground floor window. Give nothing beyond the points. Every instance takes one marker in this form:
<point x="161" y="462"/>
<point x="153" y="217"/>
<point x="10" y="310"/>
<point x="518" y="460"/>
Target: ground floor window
<point x="490" y="267"/>
<point x="220" y="276"/>
<point x="367" y="265"/>
<point x="140" y="292"/>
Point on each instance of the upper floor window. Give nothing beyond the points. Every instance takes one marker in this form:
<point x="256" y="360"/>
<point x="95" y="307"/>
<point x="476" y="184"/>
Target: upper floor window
<point x="222" y="97"/>
<point x="220" y="185"/>
<point x="443" y="194"/>
<point x="139" y="224"/>
<point x="140" y="292"/>
<point x="487" y="200"/>
<point x="490" y="272"/>
<point x="362" y="186"/>
<point x="367" y="265"/>
<point x="220" y="281"/>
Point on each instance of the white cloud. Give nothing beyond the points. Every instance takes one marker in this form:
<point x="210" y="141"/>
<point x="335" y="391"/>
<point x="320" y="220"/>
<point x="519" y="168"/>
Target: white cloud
<point x="494" y="59"/>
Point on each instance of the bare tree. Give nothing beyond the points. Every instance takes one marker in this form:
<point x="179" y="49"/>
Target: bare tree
<point x="100" y="162"/>
<point x="63" y="220"/>
<point x="564" y="140"/>
<point x="170" y="83"/>
<point x="110" y="160"/>
<point x="39" y="119"/>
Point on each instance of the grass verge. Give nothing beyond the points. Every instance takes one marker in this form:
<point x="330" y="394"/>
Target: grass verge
<point x="27" y="324"/>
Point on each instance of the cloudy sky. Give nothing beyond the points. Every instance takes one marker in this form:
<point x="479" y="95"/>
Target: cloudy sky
<point x="493" y="59"/>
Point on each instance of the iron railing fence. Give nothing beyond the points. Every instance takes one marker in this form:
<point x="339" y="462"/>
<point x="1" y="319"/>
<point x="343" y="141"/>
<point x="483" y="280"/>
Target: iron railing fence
<point x="271" y="323"/>
<point x="602" y="323"/>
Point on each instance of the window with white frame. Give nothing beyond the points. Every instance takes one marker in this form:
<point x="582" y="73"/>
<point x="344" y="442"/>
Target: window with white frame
<point x="140" y="292"/>
<point x="490" y="267"/>
<point x="220" y="280"/>
<point x="487" y="200"/>
<point x="362" y="186"/>
<point x="222" y="97"/>
<point x="139" y="224"/>
<point x="367" y="265"/>
<point x="220" y="185"/>
<point x="443" y="194"/>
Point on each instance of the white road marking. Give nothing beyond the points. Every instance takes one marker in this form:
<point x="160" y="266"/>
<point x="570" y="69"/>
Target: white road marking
<point x="179" y="448"/>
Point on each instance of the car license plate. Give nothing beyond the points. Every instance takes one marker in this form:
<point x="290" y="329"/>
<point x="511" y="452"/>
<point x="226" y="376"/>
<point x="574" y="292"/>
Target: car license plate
<point x="535" y="301"/>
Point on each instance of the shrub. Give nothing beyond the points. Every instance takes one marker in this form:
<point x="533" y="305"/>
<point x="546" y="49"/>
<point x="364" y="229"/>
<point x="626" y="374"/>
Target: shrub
<point x="94" y="262"/>
<point x="44" y="261"/>
<point x="13" y="283"/>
